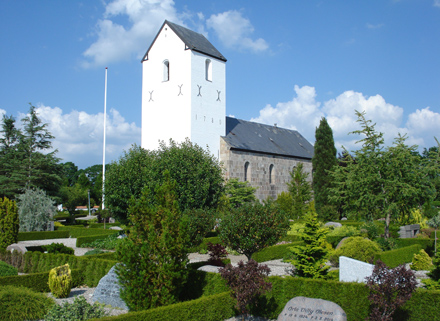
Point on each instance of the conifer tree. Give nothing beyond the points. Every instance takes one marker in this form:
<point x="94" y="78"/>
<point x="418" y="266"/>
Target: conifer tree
<point x="323" y="160"/>
<point x="310" y="259"/>
<point x="300" y="190"/>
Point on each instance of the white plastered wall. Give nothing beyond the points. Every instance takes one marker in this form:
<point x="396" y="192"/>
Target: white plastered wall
<point x="166" y="113"/>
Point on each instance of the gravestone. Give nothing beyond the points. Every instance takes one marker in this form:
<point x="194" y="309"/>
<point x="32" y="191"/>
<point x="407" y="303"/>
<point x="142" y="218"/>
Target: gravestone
<point x="108" y="291"/>
<point x="302" y="308"/>
<point x="351" y="270"/>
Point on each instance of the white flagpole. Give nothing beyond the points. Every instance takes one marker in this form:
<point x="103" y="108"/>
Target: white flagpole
<point x="103" y="149"/>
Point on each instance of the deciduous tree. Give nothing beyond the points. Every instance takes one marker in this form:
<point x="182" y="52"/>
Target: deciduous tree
<point x="252" y="227"/>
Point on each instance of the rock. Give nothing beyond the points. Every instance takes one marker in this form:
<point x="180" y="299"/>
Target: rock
<point x="115" y="228"/>
<point x="302" y="308"/>
<point x="334" y="224"/>
<point x="108" y="291"/>
<point x="123" y="236"/>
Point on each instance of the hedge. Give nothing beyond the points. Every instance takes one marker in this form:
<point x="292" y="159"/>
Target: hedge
<point x="44" y="235"/>
<point x="88" y="239"/>
<point x="200" y="284"/>
<point x="397" y="257"/>
<point x="92" y="269"/>
<point x="275" y="252"/>
<point x="211" y="308"/>
<point x="39" y="281"/>
<point x="425" y="243"/>
<point x="82" y="231"/>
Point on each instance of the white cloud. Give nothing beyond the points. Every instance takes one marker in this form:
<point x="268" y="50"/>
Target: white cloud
<point x="303" y="113"/>
<point x="436" y="3"/>
<point x="79" y="135"/>
<point x="302" y="109"/>
<point x="120" y="42"/>
<point x="2" y="112"/>
<point x="234" y="31"/>
<point x="374" y="26"/>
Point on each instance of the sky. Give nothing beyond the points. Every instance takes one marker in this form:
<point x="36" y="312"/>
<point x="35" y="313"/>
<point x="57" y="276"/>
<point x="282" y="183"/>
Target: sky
<point x="289" y="62"/>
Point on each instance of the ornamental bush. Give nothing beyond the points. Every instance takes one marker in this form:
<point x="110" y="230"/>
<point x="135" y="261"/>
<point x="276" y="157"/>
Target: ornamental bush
<point x="58" y="248"/>
<point x="247" y="281"/>
<point x="20" y="303"/>
<point x="252" y="227"/>
<point x="9" y="223"/>
<point x="7" y="270"/>
<point x="357" y="248"/>
<point x="35" y="210"/>
<point x="421" y="261"/>
<point x="60" y="281"/>
<point x="80" y="309"/>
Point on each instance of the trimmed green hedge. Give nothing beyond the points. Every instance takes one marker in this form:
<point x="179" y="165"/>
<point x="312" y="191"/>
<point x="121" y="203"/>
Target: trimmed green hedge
<point x="101" y="225"/>
<point x="201" y="284"/>
<point x="275" y="252"/>
<point x="82" y="231"/>
<point x="46" y="235"/>
<point x="39" y="281"/>
<point x="425" y="243"/>
<point x="397" y="257"/>
<point x="88" y="239"/>
<point x="92" y="269"/>
<point x="211" y="308"/>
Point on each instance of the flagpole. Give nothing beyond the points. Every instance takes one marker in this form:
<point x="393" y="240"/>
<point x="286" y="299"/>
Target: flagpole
<point x="103" y="148"/>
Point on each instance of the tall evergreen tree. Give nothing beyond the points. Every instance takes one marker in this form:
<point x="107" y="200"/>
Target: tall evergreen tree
<point x="300" y="190"/>
<point x="11" y="179"/>
<point x="323" y="161"/>
<point x="42" y="169"/>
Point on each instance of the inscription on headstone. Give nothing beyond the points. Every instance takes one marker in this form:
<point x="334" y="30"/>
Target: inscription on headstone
<point x="302" y="308"/>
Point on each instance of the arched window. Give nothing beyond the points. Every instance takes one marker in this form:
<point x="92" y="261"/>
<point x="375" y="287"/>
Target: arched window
<point x="208" y="70"/>
<point x="271" y="173"/>
<point x="166" y="70"/>
<point x="246" y="172"/>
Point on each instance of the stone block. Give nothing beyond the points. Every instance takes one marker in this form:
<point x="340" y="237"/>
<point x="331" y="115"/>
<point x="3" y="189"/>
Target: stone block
<point x="108" y="291"/>
<point x="351" y="270"/>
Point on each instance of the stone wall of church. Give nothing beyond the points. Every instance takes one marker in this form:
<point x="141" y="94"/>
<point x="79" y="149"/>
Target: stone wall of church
<point x="268" y="173"/>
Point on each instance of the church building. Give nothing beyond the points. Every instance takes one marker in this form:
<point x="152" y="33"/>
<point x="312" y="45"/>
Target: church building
<point x="184" y="96"/>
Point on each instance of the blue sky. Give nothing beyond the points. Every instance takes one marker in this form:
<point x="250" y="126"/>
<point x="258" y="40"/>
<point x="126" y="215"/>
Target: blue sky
<point x="289" y="62"/>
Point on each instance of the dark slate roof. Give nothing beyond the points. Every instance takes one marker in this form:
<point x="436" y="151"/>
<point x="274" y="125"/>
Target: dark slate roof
<point x="193" y="40"/>
<point x="249" y="136"/>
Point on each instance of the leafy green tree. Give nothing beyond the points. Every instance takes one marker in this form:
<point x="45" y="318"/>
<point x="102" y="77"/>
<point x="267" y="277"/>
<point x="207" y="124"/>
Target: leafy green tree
<point x="197" y="173"/>
<point x="324" y="159"/>
<point x="35" y="210"/>
<point x="69" y="173"/>
<point x="252" y="227"/>
<point x="73" y="196"/>
<point x="300" y="189"/>
<point x="310" y="258"/>
<point x="9" y="223"/>
<point x="154" y="256"/>
<point x="239" y="193"/>
<point x="200" y="222"/>
<point x="380" y="181"/>
<point x="126" y="178"/>
<point x="285" y="202"/>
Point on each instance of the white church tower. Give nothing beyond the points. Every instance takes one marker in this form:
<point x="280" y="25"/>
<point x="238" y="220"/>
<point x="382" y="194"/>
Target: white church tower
<point x="183" y="90"/>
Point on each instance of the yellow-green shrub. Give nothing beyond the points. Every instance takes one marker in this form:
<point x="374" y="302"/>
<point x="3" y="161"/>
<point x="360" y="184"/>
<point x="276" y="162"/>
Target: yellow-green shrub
<point x="60" y="281"/>
<point x="421" y="261"/>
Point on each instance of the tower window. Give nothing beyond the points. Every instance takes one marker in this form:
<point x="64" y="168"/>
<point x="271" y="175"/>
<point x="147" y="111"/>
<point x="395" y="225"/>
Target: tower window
<point x="166" y="70"/>
<point x="208" y="69"/>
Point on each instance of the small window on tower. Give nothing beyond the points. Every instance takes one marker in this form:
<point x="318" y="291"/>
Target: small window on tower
<point x="208" y="70"/>
<point x="166" y="70"/>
